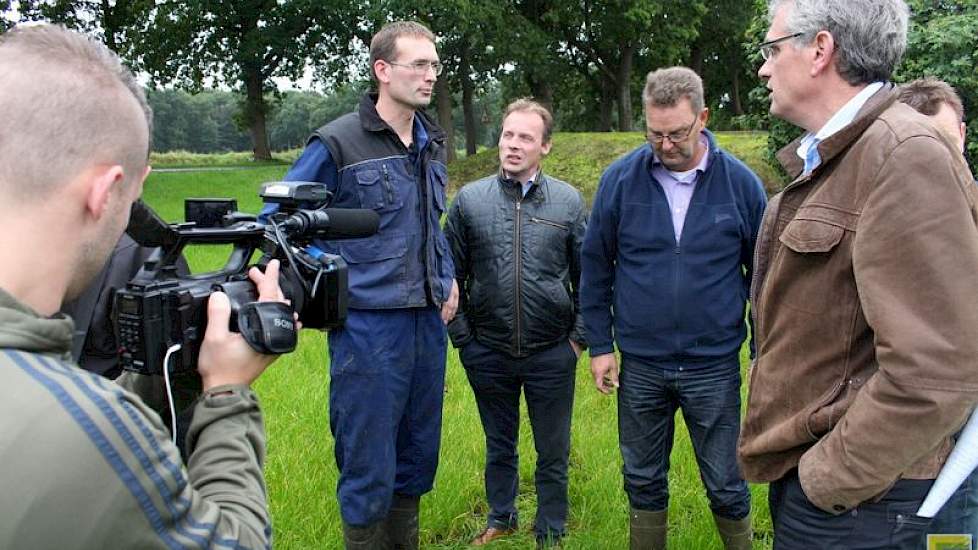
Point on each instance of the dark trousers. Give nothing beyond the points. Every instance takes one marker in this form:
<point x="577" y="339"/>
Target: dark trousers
<point x="890" y="523"/>
<point x="709" y="398"/>
<point x="959" y="516"/>
<point x="387" y="380"/>
<point x="547" y="379"/>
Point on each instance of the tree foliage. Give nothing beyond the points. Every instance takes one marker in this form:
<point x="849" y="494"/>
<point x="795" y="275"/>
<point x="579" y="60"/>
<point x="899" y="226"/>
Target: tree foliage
<point x="584" y="58"/>
<point x="943" y="43"/>
<point x="241" y="43"/>
<point x="204" y="122"/>
<point x="116" y="24"/>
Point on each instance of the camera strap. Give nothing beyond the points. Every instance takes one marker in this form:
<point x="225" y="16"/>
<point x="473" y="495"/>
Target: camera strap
<point x="268" y="327"/>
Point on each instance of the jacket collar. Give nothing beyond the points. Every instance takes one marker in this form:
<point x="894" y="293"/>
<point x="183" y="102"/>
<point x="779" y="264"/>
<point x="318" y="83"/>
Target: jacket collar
<point x="22" y="328"/>
<point x="514" y="189"/>
<point x="371" y="121"/>
<point x="838" y="142"/>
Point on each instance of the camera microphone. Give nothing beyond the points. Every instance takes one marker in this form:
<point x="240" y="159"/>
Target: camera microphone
<point x="333" y="223"/>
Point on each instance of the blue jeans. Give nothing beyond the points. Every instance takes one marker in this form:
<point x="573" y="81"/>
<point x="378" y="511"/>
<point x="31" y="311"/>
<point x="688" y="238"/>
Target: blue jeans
<point x="959" y="516"/>
<point x="547" y="379"/>
<point x="387" y="380"/>
<point x="890" y="522"/>
<point x="709" y="397"/>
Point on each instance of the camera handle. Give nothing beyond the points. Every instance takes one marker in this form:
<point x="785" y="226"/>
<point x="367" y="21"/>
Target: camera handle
<point x="268" y="327"/>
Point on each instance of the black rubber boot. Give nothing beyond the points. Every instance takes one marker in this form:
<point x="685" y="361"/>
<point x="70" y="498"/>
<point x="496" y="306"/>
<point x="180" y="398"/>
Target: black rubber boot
<point x="402" y="522"/>
<point x="647" y="529"/>
<point x="372" y="537"/>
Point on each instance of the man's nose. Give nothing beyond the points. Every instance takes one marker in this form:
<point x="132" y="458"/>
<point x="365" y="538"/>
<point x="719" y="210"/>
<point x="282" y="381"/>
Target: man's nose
<point x="763" y="71"/>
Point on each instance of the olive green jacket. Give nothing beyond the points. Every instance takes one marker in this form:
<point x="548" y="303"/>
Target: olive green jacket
<point x="85" y="464"/>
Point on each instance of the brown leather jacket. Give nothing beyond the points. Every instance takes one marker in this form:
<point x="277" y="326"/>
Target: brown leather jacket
<point x="865" y="296"/>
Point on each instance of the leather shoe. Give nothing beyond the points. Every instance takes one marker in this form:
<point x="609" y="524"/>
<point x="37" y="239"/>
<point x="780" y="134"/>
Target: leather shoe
<point x="490" y="534"/>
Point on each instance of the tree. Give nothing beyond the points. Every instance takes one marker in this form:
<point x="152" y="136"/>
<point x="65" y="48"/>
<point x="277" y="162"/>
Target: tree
<point x="301" y="112"/>
<point x="6" y="15"/>
<point x="604" y="41"/>
<point x="240" y="43"/>
<point x="943" y="43"/>
<point x="114" y="23"/>
<point x="720" y="56"/>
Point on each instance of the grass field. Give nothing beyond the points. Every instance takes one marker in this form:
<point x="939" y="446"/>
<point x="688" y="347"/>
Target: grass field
<point x="300" y="470"/>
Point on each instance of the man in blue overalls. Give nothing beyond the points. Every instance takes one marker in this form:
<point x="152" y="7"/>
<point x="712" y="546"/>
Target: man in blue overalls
<point x="387" y="363"/>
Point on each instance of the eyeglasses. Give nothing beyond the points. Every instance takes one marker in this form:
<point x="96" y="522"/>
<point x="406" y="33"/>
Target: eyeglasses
<point x="421" y="67"/>
<point x="674" y="137"/>
<point x="767" y="48"/>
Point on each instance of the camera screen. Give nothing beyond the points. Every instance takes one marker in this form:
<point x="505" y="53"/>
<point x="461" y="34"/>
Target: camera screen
<point x="208" y="212"/>
<point x="128" y="306"/>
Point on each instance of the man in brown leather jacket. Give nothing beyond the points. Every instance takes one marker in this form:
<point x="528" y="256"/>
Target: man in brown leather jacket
<point x="864" y="288"/>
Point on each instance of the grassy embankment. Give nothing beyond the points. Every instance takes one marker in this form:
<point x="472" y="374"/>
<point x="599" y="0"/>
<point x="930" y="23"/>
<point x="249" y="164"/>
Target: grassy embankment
<point x="300" y="470"/>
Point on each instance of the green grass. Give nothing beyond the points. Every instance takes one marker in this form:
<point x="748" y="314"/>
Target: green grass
<point x="580" y="159"/>
<point x="186" y="159"/>
<point x="302" y="475"/>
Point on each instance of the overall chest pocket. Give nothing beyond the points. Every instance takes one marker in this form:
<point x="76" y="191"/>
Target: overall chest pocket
<point x="377" y="189"/>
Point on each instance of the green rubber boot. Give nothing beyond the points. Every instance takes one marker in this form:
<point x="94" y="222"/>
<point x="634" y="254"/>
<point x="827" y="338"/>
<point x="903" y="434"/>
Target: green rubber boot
<point x="647" y="529"/>
<point x="736" y="534"/>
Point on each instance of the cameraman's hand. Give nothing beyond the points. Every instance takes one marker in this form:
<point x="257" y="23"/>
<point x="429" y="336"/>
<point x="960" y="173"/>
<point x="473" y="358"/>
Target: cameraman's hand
<point x="225" y="357"/>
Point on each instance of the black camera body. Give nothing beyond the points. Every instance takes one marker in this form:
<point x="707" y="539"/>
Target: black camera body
<point x="160" y="309"/>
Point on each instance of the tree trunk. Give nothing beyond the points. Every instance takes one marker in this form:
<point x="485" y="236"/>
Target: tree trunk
<point x="256" y="108"/>
<point x="607" y="103"/>
<point x="542" y="92"/>
<point x="468" y="113"/>
<point x="738" y="108"/>
<point x="623" y="82"/>
<point x="108" y="26"/>
<point x="443" y="101"/>
<point x="696" y="58"/>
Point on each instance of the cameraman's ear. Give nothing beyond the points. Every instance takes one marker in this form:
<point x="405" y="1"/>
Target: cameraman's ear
<point x="103" y="182"/>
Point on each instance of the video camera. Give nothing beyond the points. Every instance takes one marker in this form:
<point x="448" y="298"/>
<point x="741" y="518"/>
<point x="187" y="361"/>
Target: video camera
<point x="159" y="309"/>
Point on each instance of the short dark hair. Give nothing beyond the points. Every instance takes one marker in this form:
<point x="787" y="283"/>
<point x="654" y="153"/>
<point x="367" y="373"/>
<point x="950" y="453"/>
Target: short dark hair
<point x="532" y="106"/>
<point x="667" y="87"/>
<point x="926" y="95"/>
<point x="383" y="45"/>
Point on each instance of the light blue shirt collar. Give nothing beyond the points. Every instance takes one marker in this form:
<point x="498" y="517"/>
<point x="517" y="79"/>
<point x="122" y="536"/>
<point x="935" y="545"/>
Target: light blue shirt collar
<point x="807" y="147"/>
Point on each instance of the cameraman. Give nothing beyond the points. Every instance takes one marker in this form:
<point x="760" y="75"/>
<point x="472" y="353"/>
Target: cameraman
<point x="86" y="464"/>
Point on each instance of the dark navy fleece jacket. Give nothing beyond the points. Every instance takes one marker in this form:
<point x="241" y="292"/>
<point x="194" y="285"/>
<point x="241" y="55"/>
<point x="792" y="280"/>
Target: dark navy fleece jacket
<point x="671" y="303"/>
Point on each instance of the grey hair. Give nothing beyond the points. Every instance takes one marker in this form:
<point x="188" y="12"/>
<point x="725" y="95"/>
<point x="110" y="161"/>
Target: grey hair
<point x="870" y="35"/>
<point x="68" y="103"/>
<point x="666" y="87"/>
